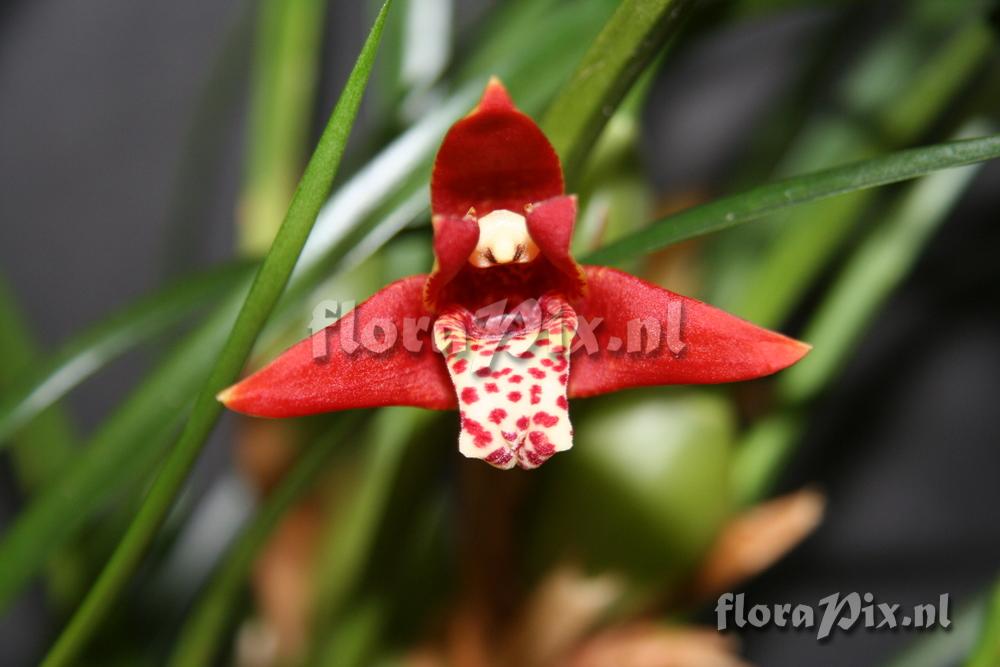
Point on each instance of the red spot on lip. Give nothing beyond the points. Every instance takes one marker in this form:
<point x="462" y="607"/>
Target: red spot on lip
<point x="542" y="341"/>
<point x="483" y="372"/>
<point x="509" y="436"/>
<point x="536" y="373"/>
<point x="535" y="394"/>
<point x="545" y="419"/>
<point x="481" y="437"/>
<point x="491" y="387"/>
<point x="546" y="362"/>
<point x="460" y="366"/>
<point x="523" y="423"/>
<point x="499" y="457"/>
<point x="563" y="378"/>
<point x="514" y="396"/>
<point x="515" y="379"/>
<point x="497" y="415"/>
<point x="469" y="395"/>
<point x="527" y="355"/>
<point x="541" y="443"/>
<point x="562" y="403"/>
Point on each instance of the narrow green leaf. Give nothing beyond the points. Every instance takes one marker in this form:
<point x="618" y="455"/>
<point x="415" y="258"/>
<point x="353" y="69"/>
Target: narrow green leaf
<point x="905" y="94"/>
<point x="201" y="635"/>
<point x="866" y="281"/>
<point x="41" y="448"/>
<point x="119" y="456"/>
<point x="629" y="41"/>
<point x="268" y="285"/>
<point x="88" y="352"/>
<point x="346" y="547"/>
<point x="738" y="209"/>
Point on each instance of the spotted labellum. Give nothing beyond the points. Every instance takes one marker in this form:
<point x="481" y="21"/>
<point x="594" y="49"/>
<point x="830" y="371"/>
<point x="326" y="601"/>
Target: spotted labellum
<point x="507" y="326"/>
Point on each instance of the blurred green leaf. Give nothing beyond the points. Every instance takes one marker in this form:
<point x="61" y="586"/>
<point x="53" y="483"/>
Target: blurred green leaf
<point x="890" y="100"/>
<point x="355" y="520"/>
<point x="869" y="278"/>
<point x="629" y="41"/>
<point x="270" y="281"/>
<point x="937" y="649"/>
<point x="44" y="445"/>
<point x="86" y="353"/>
<point x="987" y="650"/>
<point x="738" y="209"/>
<point x="119" y="456"/>
<point x="286" y="63"/>
<point x="201" y="636"/>
<point x="866" y="281"/>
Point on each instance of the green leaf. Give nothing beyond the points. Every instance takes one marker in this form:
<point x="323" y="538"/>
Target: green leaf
<point x="88" y="352"/>
<point x="904" y="95"/>
<point x="119" y="456"/>
<point x="868" y="279"/>
<point x="43" y="447"/>
<point x="987" y="650"/>
<point x="200" y="637"/>
<point x="629" y="41"/>
<point x="267" y="287"/>
<point x="738" y="209"/>
<point x="288" y="41"/>
<point x="346" y="547"/>
<point x="882" y="261"/>
<point x="48" y="442"/>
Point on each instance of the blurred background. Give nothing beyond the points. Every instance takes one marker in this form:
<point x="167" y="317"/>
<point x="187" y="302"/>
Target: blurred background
<point x="141" y="143"/>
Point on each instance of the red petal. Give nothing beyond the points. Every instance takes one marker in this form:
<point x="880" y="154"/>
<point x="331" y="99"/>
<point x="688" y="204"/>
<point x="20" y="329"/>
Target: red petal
<point x="708" y="344"/>
<point x="297" y="383"/>
<point x="496" y="157"/>
<point x="454" y="240"/>
<point x="550" y="224"/>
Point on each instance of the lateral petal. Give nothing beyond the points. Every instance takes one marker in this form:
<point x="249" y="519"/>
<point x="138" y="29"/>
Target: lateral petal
<point x="454" y="239"/>
<point x="550" y="224"/>
<point x="355" y="363"/>
<point x="632" y="333"/>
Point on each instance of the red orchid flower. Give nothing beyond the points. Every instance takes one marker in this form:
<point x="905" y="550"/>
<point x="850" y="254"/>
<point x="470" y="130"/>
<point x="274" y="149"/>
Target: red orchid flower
<point x="507" y="325"/>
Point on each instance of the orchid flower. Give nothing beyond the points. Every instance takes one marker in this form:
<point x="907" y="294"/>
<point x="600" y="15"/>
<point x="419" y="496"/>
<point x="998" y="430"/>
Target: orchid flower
<point x="507" y="326"/>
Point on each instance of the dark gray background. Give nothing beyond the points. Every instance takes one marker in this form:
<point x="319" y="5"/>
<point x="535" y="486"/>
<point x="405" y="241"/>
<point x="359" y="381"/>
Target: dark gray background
<point x="95" y="102"/>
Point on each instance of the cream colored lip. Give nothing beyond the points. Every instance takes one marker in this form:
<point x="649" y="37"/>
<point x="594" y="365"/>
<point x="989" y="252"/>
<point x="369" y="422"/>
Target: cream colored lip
<point x="503" y="239"/>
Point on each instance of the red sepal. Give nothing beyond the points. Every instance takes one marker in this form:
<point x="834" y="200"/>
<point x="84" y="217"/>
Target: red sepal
<point x="298" y="383"/>
<point x="710" y="345"/>
<point x="496" y="157"/>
